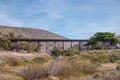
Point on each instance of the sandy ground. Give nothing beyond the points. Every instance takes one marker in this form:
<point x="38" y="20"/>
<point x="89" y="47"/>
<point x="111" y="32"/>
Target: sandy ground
<point x="29" y="56"/>
<point x="23" y="55"/>
<point x="108" y="66"/>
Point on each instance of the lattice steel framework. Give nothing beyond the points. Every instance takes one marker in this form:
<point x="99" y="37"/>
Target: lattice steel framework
<point x="54" y="43"/>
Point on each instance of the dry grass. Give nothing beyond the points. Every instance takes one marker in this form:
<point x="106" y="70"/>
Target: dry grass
<point x="14" y="62"/>
<point x="10" y="73"/>
<point x="61" y="69"/>
<point x="112" y="75"/>
<point x="34" y="72"/>
<point x="10" y="77"/>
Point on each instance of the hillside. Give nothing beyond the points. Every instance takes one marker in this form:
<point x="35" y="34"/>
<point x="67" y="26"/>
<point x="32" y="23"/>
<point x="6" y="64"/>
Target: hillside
<point x="118" y="36"/>
<point x="30" y="32"/>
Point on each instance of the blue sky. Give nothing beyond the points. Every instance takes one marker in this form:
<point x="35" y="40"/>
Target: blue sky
<point x="75" y="19"/>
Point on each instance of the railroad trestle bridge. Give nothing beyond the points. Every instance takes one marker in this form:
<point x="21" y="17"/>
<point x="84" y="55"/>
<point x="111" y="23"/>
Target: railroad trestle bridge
<point x="50" y="44"/>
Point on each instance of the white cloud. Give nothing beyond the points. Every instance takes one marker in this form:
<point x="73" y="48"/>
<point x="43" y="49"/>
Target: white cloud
<point x="74" y="18"/>
<point x="5" y="20"/>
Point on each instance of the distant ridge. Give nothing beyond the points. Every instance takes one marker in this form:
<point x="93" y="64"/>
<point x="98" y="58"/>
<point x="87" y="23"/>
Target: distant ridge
<point x="118" y="36"/>
<point x="30" y="32"/>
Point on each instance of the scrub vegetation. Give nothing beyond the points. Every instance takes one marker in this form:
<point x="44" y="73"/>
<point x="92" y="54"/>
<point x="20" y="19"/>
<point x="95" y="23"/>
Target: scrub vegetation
<point x="101" y="62"/>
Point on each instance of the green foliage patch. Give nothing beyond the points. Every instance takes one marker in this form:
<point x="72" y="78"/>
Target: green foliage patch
<point x="15" y="62"/>
<point x="69" y="52"/>
<point x="102" y="40"/>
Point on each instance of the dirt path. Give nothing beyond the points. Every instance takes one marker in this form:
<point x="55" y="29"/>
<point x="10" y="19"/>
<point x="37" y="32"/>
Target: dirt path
<point x="11" y="54"/>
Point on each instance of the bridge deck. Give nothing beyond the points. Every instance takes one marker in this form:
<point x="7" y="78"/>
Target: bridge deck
<point x="49" y="40"/>
<point x="53" y="43"/>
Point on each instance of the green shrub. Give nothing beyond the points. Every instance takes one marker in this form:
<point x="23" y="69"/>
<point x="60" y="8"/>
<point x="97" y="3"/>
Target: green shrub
<point x="117" y="61"/>
<point x="100" y="58"/>
<point x="5" y="43"/>
<point x="15" y="62"/>
<point x="41" y="59"/>
<point x="98" y="75"/>
<point x="56" y="52"/>
<point x="34" y="72"/>
<point x="30" y="47"/>
<point x="83" y="67"/>
<point x="98" y="64"/>
<point x="115" y="56"/>
<point x="11" y="77"/>
<point x="22" y="45"/>
<point x="70" y="52"/>
<point x="60" y="69"/>
<point x="65" y="69"/>
<point x="111" y="75"/>
<point x="118" y="67"/>
<point x="103" y="58"/>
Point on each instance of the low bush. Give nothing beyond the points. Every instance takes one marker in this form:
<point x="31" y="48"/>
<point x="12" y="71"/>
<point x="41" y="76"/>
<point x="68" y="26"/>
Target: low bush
<point x="11" y="77"/>
<point x="118" y="67"/>
<point x="84" y="67"/>
<point x="99" y="58"/>
<point x="98" y="75"/>
<point x="15" y="62"/>
<point x="56" y="52"/>
<point x="117" y="61"/>
<point x="41" y="59"/>
<point x="5" y="43"/>
<point x="98" y="64"/>
<point x="112" y="75"/>
<point x="60" y="69"/>
<point x="34" y="72"/>
<point x="29" y="47"/>
<point x="70" y="52"/>
<point x="115" y="56"/>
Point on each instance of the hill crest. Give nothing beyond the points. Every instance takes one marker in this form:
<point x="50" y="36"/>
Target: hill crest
<point x="30" y="32"/>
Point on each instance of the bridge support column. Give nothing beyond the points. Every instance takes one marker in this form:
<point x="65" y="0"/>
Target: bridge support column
<point x="87" y="48"/>
<point x="63" y="46"/>
<point x="54" y="44"/>
<point x="46" y="47"/>
<point x="38" y="47"/>
<point x="71" y="44"/>
<point x="17" y="46"/>
<point x="49" y="47"/>
<point x="79" y="46"/>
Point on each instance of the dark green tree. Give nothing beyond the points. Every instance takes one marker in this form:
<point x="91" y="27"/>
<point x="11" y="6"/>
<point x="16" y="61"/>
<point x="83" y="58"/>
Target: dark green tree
<point x="93" y="43"/>
<point x="102" y="40"/>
